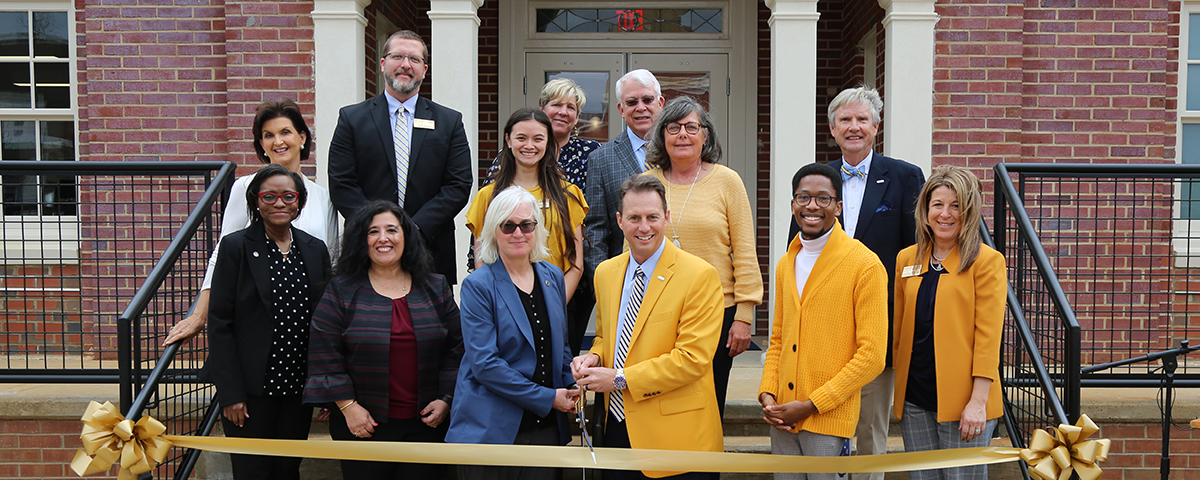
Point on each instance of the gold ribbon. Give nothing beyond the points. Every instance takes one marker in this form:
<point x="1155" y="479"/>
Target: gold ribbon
<point x="107" y="436"/>
<point x="1055" y="457"/>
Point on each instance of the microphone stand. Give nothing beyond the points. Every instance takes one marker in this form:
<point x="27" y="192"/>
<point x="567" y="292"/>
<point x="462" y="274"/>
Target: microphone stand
<point x="1170" y="360"/>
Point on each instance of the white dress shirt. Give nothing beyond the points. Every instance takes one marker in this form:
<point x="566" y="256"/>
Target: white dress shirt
<point x="852" y="195"/>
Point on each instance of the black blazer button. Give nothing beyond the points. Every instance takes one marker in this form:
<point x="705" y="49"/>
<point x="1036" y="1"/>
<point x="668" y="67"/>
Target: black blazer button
<point x="793" y="347"/>
<point x="790" y="386"/>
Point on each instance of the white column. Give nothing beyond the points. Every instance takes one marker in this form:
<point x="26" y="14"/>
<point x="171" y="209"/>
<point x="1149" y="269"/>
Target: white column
<point x="454" y="66"/>
<point x="908" y="84"/>
<point x="338" y="30"/>
<point x="793" y="105"/>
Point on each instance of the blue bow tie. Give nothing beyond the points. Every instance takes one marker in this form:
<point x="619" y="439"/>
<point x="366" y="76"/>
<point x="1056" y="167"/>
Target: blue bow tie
<point x="848" y="172"/>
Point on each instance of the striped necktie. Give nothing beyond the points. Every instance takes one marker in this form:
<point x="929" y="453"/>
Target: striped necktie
<point x="617" y="403"/>
<point x="400" y="138"/>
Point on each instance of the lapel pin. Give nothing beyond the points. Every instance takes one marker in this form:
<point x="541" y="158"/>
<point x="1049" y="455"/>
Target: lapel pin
<point x="255" y="254"/>
<point x="879" y="181"/>
<point x="660" y="277"/>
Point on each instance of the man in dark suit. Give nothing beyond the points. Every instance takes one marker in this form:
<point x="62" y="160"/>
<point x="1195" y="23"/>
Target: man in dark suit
<point x="879" y="196"/>
<point x="400" y="146"/>
<point x="639" y="101"/>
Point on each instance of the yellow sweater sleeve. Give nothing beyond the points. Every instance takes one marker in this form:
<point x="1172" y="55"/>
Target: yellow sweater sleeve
<point x="475" y="214"/>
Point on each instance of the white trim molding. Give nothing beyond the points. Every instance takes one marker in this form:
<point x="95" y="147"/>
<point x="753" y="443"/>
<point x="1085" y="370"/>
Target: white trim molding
<point x="908" y="82"/>
<point x="338" y="30"/>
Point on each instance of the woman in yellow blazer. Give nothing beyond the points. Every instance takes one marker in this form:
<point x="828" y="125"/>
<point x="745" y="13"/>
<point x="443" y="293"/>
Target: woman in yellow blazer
<point x="950" y="293"/>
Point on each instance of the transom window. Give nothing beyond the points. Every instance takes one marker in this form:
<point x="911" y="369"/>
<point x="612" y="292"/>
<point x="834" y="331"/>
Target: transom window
<point x="647" y="20"/>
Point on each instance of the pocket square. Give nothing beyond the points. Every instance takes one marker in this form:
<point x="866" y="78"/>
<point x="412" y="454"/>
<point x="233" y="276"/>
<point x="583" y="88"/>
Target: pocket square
<point x="884" y="206"/>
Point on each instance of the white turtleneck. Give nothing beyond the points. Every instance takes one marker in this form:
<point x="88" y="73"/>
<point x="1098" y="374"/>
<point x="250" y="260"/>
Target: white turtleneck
<point x="810" y="250"/>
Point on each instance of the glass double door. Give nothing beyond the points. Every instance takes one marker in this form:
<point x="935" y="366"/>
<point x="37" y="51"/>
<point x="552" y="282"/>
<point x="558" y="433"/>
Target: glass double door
<point x="705" y="77"/>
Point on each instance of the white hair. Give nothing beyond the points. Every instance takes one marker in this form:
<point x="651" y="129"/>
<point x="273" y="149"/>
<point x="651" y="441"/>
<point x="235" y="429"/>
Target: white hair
<point x="641" y="76"/>
<point x="502" y="206"/>
<point x="857" y="96"/>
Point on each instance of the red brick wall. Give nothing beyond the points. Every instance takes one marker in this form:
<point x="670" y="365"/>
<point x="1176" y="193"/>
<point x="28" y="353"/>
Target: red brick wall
<point x="490" y="118"/>
<point x="762" y="220"/>
<point x="1136" y="452"/>
<point x="40" y="449"/>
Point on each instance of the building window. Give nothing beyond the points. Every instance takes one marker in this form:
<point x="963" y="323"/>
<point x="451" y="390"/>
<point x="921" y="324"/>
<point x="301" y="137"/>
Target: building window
<point x="37" y="115"/>
<point x="637" y="20"/>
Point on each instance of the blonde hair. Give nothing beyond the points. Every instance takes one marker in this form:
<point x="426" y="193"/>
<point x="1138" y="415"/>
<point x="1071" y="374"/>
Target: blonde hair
<point x="970" y="212"/>
<point x="501" y="207"/>
<point x="562" y="88"/>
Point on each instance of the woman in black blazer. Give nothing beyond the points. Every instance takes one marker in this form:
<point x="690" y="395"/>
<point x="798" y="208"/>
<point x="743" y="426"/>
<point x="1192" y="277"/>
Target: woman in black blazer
<point x="266" y="284"/>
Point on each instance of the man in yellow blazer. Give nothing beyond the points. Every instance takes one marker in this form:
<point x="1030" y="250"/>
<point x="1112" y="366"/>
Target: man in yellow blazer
<point x="656" y="331"/>
<point x="829" y="337"/>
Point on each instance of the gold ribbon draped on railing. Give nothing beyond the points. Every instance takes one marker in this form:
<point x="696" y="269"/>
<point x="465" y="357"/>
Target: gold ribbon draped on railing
<point x="106" y="434"/>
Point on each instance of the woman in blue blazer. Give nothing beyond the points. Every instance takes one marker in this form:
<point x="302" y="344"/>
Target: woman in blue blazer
<point x="514" y="378"/>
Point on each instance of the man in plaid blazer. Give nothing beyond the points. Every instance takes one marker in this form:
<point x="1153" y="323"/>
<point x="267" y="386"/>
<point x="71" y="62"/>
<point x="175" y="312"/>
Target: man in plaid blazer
<point x="639" y="101"/>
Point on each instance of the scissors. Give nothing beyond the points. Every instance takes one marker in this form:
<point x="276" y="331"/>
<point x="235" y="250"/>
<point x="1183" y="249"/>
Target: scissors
<point x="580" y="403"/>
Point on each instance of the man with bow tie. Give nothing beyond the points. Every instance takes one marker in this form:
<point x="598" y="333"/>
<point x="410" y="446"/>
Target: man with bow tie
<point x="879" y="196"/>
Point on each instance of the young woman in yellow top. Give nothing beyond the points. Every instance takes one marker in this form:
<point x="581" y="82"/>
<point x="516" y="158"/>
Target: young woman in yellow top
<point x="528" y="161"/>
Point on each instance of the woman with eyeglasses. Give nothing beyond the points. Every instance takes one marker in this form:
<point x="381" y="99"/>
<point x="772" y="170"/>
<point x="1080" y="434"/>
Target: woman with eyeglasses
<point x="514" y="382"/>
<point x="528" y="161"/>
<point x="710" y="218"/>
<point x="266" y="283"/>
<point x="386" y="342"/>
<point x="281" y="137"/>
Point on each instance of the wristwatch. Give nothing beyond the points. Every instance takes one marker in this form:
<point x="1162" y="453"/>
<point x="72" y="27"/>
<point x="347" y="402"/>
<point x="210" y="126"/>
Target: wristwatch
<point x="619" y="380"/>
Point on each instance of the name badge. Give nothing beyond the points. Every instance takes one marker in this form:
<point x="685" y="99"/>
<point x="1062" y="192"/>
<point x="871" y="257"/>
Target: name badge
<point x="423" y="123"/>
<point x="910" y="271"/>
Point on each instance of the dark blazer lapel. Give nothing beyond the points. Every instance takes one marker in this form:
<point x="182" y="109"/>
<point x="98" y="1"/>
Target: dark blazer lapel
<point x="837" y="165"/>
<point x="654" y="286"/>
<point x="507" y="295"/>
<point x="383" y="125"/>
<point x="877" y="183"/>
<point x="256" y="256"/>
<point x="311" y="253"/>
<point x="418" y="134"/>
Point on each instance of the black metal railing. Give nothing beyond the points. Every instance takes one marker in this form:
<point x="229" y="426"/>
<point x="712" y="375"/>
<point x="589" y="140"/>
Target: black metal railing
<point x="1124" y="244"/>
<point x="81" y="240"/>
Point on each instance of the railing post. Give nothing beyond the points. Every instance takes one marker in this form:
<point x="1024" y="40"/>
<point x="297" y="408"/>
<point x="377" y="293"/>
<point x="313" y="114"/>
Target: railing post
<point x="125" y="362"/>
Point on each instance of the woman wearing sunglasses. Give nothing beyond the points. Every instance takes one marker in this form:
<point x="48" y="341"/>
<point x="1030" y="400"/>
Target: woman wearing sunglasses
<point x="266" y="283"/>
<point x="281" y="137"/>
<point x="513" y="382"/>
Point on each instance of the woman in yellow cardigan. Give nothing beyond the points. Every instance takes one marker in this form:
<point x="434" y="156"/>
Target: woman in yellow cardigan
<point x="950" y="293"/>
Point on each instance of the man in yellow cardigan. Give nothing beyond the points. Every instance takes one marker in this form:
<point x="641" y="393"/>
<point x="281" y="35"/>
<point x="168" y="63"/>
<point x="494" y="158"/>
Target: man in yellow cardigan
<point x="830" y="335"/>
<point x="655" y="338"/>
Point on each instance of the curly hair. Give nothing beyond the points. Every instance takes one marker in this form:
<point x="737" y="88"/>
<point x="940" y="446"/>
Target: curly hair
<point x="355" y="258"/>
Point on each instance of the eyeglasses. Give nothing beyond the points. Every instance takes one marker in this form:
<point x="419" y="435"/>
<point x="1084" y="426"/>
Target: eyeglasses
<point x="527" y="226"/>
<point x="802" y="199"/>
<point x="647" y="100"/>
<point x="412" y="59"/>
<point x="270" y="197"/>
<point x="692" y="128"/>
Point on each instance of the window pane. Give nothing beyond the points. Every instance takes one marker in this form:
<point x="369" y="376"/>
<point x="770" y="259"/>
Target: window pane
<point x="58" y="141"/>
<point x="14" y="85"/>
<point x="1193" y="87"/>
<point x="58" y="195"/>
<point x="1190" y="196"/>
<point x="602" y="20"/>
<point x="50" y="34"/>
<point x="677" y="84"/>
<point x="52" y="86"/>
<point x="14" y="34"/>
<point x="18" y="140"/>
<point x="593" y="117"/>
<point x="20" y="195"/>
<point x="1193" y="52"/>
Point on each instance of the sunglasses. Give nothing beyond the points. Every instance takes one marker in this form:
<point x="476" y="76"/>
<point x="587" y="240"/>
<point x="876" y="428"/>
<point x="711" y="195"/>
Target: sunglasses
<point x="270" y="197"/>
<point x="633" y="102"/>
<point x="527" y="226"/>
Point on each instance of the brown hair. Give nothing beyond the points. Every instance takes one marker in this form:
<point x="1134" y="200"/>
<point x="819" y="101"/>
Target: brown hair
<point x="272" y="109"/>
<point x="970" y="212"/>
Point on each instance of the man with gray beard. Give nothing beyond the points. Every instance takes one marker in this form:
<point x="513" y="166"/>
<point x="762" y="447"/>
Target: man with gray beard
<point x="401" y="147"/>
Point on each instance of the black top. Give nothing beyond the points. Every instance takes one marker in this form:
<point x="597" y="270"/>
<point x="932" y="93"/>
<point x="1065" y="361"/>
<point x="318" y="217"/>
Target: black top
<point x="539" y="323"/>
<point x="922" y="372"/>
<point x="287" y="365"/>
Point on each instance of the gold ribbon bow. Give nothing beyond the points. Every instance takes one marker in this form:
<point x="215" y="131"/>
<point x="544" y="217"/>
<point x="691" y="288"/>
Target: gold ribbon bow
<point x="1054" y="458"/>
<point x="107" y="436"/>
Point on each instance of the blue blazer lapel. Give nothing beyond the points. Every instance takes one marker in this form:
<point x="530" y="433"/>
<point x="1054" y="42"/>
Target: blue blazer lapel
<point x="556" y="306"/>
<point x="506" y="293"/>
<point x="877" y="184"/>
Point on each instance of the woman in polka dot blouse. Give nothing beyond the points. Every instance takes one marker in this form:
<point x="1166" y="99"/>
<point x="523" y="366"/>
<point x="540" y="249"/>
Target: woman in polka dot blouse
<point x="266" y="283"/>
